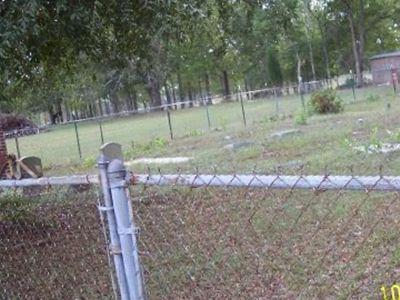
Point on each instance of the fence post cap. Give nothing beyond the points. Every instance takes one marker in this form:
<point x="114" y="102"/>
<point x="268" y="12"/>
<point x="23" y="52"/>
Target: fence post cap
<point x="111" y="151"/>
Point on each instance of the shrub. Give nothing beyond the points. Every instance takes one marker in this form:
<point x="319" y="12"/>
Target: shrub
<point x="372" y="98"/>
<point x="326" y="102"/>
<point x="15" y="208"/>
<point x="301" y="118"/>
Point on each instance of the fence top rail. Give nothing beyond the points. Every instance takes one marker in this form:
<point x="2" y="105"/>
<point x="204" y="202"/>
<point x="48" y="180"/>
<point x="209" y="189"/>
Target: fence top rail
<point x="313" y="182"/>
<point x="51" y="181"/>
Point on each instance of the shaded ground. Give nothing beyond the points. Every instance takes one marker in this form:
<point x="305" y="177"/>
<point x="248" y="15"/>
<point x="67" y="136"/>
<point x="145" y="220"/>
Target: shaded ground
<point x="258" y="244"/>
<point x="53" y="247"/>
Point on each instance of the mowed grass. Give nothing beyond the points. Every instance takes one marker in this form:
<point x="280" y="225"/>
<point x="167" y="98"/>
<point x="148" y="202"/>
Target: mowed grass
<point x="325" y="142"/>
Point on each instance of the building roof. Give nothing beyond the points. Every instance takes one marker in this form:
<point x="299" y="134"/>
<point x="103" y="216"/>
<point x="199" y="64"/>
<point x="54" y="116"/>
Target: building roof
<point x="385" y="55"/>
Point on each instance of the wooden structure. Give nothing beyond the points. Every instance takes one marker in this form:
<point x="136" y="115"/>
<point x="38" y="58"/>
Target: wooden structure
<point x="385" y="67"/>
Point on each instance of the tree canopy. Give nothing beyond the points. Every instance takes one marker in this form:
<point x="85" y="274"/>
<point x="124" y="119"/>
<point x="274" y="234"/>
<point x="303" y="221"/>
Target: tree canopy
<point x="80" y="55"/>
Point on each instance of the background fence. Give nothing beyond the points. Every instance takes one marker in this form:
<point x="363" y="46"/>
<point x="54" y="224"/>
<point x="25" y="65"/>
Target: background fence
<point x="199" y="236"/>
<point x="74" y="143"/>
<point x="246" y="106"/>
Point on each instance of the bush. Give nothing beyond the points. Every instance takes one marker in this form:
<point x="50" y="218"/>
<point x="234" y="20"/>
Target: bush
<point x="301" y="118"/>
<point x="372" y="98"/>
<point x="15" y="208"/>
<point x="326" y="102"/>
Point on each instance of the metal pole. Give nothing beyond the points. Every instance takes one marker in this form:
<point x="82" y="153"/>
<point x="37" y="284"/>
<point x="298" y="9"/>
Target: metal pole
<point x="115" y="246"/>
<point x="243" y="111"/>
<point x="208" y="115"/>
<point x="126" y="229"/>
<point x="169" y="125"/>
<point x="77" y="140"/>
<point x="17" y="144"/>
<point x="101" y="132"/>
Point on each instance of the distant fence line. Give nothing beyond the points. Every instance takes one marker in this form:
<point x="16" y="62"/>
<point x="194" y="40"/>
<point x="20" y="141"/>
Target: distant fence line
<point x="267" y="93"/>
<point x="241" y="97"/>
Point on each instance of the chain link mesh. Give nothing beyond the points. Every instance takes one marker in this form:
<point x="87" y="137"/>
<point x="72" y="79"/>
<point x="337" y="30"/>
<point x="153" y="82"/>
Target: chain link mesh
<point x="52" y="245"/>
<point x="229" y="242"/>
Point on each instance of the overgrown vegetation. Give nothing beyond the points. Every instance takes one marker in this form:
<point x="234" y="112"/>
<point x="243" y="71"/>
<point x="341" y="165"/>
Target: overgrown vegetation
<point x="15" y="208"/>
<point x="326" y="102"/>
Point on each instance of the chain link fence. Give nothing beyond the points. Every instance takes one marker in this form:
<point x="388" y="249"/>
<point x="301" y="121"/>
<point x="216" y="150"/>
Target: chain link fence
<point x="53" y="244"/>
<point x="267" y="237"/>
<point x="198" y="236"/>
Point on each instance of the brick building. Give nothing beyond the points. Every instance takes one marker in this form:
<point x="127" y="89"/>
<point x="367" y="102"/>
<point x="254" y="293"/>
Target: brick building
<point x="383" y="65"/>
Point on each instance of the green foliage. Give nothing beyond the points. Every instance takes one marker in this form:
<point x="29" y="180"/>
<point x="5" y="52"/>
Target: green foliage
<point x="373" y="98"/>
<point x="89" y="162"/>
<point x="193" y="133"/>
<point x="374" y="139"/>
<point x="325" y="102"/>
<point x="15" y="208"/>
<point x="111" y="52"/>
<point x="301" y="118"/>
<point x="156" y="144"/>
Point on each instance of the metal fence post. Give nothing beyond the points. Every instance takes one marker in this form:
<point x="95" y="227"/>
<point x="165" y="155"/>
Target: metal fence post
<point x="171" y="134"/>
<point x="107" y="153"/>
<point x="78" y="144"/>
<point x="126" y="229"/>
<point x="243" y="111"/>
<point x="101" y="132"/>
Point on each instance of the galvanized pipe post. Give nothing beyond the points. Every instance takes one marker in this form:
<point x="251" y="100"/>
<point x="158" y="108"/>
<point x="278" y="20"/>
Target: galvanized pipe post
<point x="127" y="231"/>
<point x="108" y="209"/>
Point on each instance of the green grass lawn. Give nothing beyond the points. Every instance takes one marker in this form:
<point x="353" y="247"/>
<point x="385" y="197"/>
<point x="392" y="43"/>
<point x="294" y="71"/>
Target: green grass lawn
<point x="324" y="145"/>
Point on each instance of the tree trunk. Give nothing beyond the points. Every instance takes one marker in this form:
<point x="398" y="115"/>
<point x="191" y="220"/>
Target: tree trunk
<point x="128" y="101"/>
<point x="190" y="92"/>
<point x="246" y="88"/>
<point x="135" y="100"/>
<point x="299" y="78"/>
<point x="167" y="94"/>
<point x="325" y="53"/>
<point x="153" y="88"/>
<point x="225" y="85"/>
<point x="180" y="87"/>
<point x="100" y="105"/>
<point x="114" y="102"/>
<point x="200" y="94"/>
<point x="355" y="50"/>
<point x="208" y="91"/>
<point x="361" y="32"/>
<point x="174" y="96"/>
<point x="308" y="36"/>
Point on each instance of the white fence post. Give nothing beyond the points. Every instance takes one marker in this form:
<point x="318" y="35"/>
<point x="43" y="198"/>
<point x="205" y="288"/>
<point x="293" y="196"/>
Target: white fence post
<point x="126" y="229"/>
<point x="115" y="247"/>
